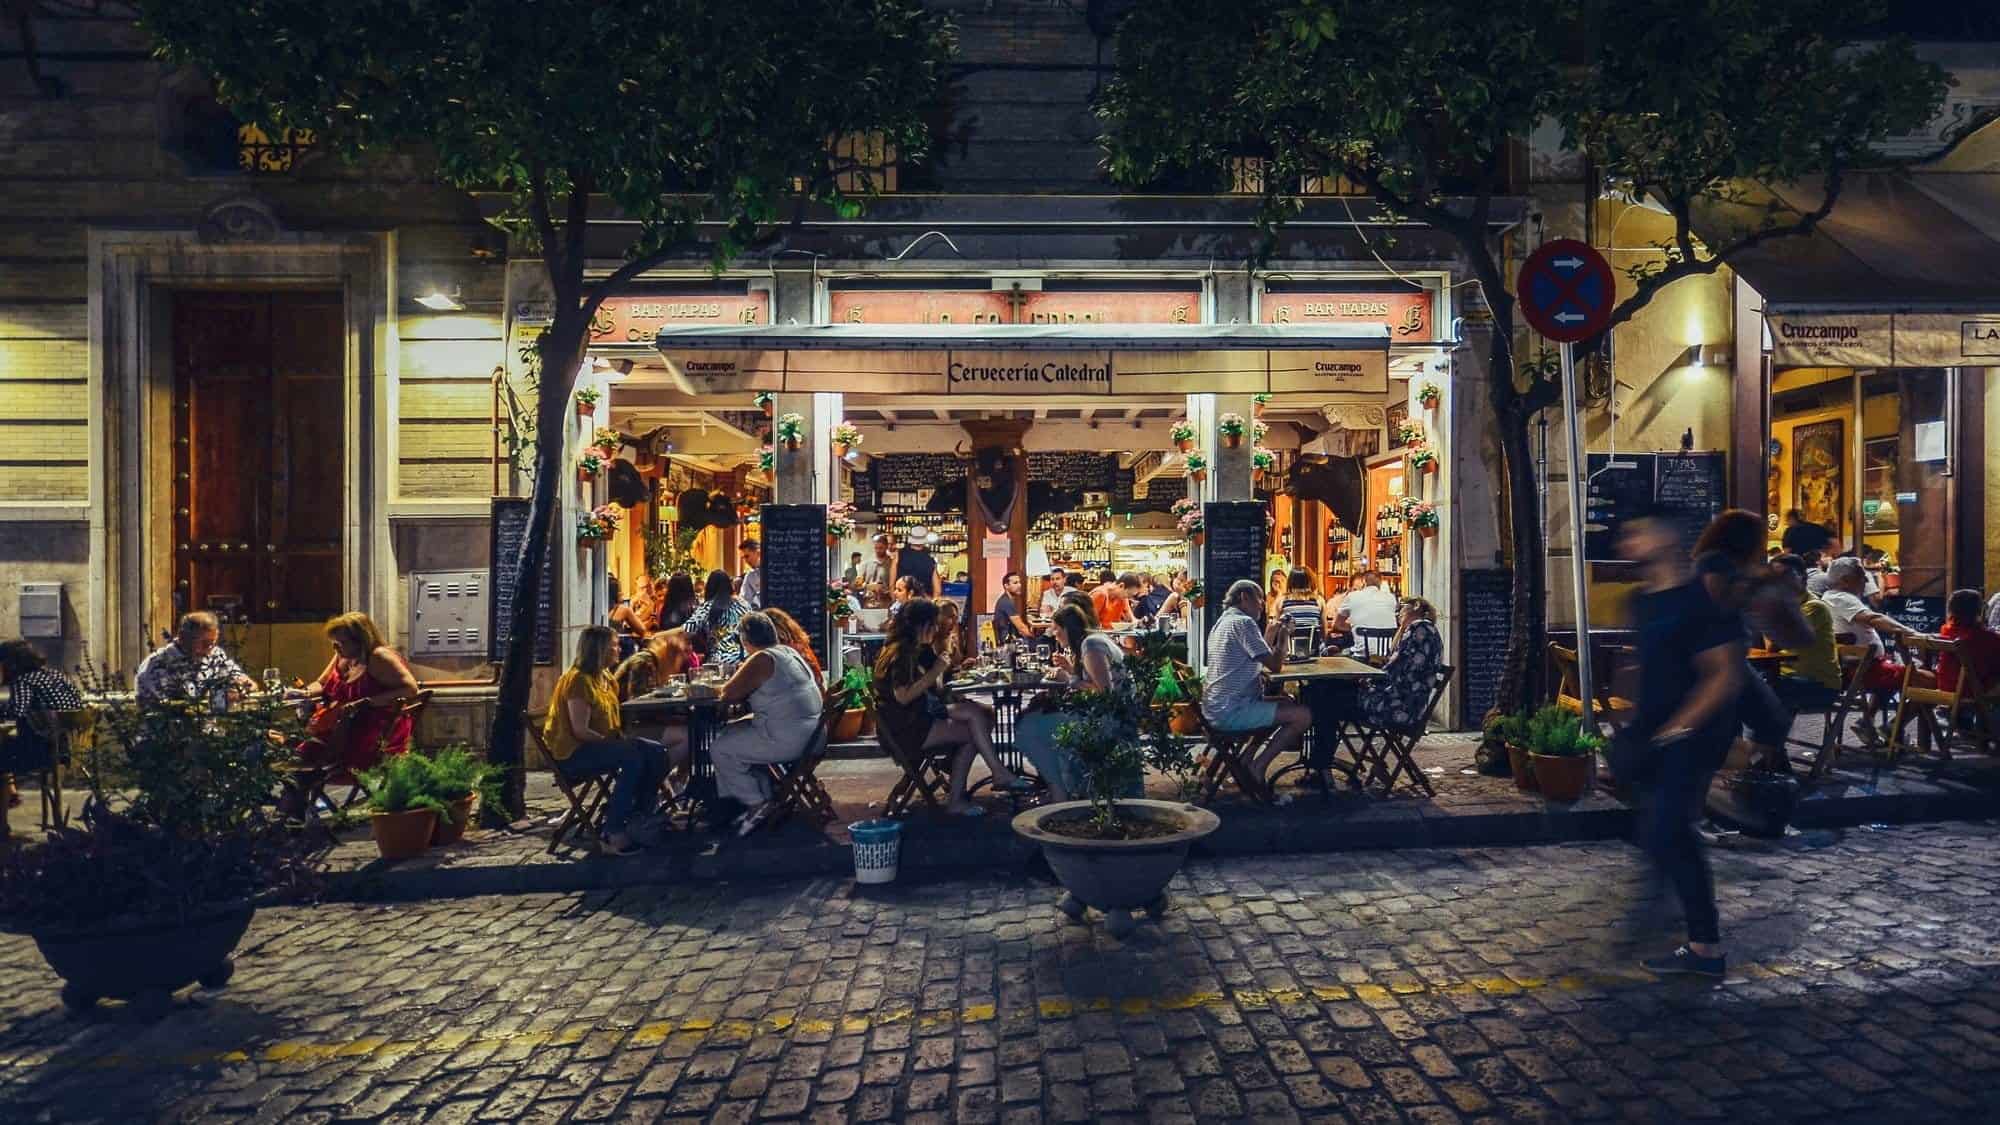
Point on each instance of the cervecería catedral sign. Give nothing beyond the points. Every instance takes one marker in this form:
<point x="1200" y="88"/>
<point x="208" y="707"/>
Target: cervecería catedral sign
<point x="1028" y="372"/>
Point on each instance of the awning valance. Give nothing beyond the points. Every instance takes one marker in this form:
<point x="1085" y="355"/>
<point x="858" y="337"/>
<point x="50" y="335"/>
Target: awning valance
<point x="1028" y="360"/>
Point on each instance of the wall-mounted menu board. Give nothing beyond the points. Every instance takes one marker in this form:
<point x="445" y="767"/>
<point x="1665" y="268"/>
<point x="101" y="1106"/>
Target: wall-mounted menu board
<point x="794" y="570"/>
<point x="507" y="531"/>
<point x="1232" y="549"/>
<point x="1690" y="486"/>
<point x="1485" y="599"/>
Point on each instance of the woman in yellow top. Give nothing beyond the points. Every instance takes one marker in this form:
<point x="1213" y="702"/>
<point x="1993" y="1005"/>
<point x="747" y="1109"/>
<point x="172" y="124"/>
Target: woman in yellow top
<point x="585" y="736"/>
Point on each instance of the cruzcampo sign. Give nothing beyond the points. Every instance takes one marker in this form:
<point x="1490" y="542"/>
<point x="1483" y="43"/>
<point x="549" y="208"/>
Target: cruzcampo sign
<point x="1843" y="339"/>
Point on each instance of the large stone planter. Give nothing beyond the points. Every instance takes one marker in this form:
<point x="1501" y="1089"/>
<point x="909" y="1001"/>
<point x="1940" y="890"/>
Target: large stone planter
<point x="145" y="963"/>
<point x="1117" y="876"/>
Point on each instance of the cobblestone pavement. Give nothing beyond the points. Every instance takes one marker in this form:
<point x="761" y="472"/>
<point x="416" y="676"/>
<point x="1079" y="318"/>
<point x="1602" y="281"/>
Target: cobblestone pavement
<point x="1416" y="985"/>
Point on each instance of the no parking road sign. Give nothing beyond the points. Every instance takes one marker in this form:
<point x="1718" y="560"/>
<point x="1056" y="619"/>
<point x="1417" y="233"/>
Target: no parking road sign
<point x="1565" y="291"/>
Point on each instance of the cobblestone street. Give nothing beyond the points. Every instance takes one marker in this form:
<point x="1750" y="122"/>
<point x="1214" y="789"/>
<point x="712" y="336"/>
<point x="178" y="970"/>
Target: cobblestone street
<point x="1383" y="986"/>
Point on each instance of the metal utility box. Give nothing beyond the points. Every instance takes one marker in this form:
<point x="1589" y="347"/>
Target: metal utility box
<point x="41" y="609"/>
<point x="448" y="613"/>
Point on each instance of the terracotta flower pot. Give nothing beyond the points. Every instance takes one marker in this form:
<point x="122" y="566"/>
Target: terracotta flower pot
<point x="770" y="408"/>
<point x="840" y="448"/>
<point x="1185" y="445"/>
<point x="1563" y="777"/>
<point x="451" y="829"/>
<point x="1184" y="719"/>
<point x="1198" y="538"/>
<point x="868" y="723"/>
<point x="1257" y="409"/>
<point x="847" y="728"/>
<point x="1198" y="475"/>
<point x="1232" y="440"/>
<point x="1522" y="769"/>
<point x="792" y="444"/>
<point x="586" y="409"/>
<point x="400" y="835"/>
<point x="1428" y="532"/>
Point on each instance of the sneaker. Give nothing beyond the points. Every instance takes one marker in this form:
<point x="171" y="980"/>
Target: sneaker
<point x="754" y="819"/>
<point x="1864" y="728"/>
<point x="1685" y="961"/>
<point x="611" y="846"/>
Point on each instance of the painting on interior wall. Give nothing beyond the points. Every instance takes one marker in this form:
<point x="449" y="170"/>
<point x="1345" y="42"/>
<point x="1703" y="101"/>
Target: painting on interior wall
<point x="1883" y="456"/>
<point x="1816" y="478"/>
<point x="1398" y="413"/>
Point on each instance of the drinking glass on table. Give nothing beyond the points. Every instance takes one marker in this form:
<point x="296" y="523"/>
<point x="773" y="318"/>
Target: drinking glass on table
<point x="274" y="680"/>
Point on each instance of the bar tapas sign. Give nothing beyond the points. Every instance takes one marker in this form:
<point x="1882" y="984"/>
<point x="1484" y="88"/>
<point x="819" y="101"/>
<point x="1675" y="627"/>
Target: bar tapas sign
<point x="638" y="319"/>
<point x="1406" y="314"/>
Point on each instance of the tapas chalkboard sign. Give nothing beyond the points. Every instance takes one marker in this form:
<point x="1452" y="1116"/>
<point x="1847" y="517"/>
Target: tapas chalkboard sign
<point x="1688" y="486"/>
<point x="1232" y="549"/>
<point x="1924" y="614"/>
<point x="508" y="529"/>
<point x="795" y="569"/>
<point x="1485" y="603"/>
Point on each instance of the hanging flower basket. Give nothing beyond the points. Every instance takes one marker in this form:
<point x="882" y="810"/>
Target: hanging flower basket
<point x="1421" y="516"/>
<point x="766" y="402"/>
<point x="839" y="522"/>
<point x="1424" y="459"/>
<point x="1232" y="427"/>
<point x="766" y="459"/>
<point x="791" y="430"/>
<point x="597" y="525"/>
<point x="607" y="443"/>
<point x="1182" y="436"/>
<point x="846" y="436"/>
<point x="1429" y="395"/>
<point x="588" y="466"/>
<point x="586" y="401"/>
<point x="1410" y="433"/>
<point x="1196" y="467"/>
<point x="1258" y="403"/>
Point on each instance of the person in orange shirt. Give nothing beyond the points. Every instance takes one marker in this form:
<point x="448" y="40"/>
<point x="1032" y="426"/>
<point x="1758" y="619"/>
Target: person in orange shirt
<point x="1113" y="600"/>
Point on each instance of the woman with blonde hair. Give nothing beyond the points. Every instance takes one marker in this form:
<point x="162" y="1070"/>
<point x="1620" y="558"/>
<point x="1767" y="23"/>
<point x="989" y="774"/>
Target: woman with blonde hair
<point x="792" y="635"/>
<point x="585" y="735"/>
<point x="358" y="719"/>
<point x="1401" y="696"/>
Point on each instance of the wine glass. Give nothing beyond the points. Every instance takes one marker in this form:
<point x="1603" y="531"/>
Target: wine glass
<point x="274" y="679"/>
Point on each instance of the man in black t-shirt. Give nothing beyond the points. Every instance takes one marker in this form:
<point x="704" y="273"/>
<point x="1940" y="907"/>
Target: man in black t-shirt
<point x="918" y="565"/>
<point x="1690" y="652"/>
<point x="1009" y="623"/>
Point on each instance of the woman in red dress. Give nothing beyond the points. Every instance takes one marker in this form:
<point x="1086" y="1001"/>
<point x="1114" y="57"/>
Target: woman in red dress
<point x="359" y="716"/>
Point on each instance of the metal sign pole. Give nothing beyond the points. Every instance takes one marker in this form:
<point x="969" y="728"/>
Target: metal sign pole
<point x="1578" y="567"/>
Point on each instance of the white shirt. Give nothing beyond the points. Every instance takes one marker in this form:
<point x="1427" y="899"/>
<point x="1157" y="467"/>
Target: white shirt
<point x="753" y="588"/>
<point x="1993" y="613"/>
<point x="1051" y="601"/>
<point x="1370" y="607"/>
<point x="1845" y="607"/>
<point x="1236" y="649"/>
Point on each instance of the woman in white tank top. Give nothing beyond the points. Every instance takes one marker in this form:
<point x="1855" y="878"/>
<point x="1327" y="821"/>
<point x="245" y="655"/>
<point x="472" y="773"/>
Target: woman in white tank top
<point x="785" y="700"/>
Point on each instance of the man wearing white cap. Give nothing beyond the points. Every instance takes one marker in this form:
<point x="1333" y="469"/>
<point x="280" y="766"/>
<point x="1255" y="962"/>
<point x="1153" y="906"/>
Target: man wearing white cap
<point x="917" y="564"/>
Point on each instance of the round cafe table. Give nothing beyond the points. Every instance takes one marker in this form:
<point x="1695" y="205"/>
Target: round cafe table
<point x="1327" y="685"/>
<point x="705" y="715"/>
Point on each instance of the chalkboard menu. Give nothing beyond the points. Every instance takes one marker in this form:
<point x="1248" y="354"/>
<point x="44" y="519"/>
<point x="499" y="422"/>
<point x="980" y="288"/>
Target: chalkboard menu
<point x="1232" y="549"/>
<point x="1689" y="486"/>
<point x="794" y="570"/>
<point x="508" y="530"/>
<point x="1924" y="614"/>
<point x="914" y="472"/>
<point x="1485" y="601"/>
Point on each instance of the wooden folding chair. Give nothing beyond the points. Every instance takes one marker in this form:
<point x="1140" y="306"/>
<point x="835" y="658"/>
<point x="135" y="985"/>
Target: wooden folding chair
<point x="1228" y="756"/>
<point x="1373" y="645"/>
<point x="588" y="794"/>
<point x="796" y="787"/>
<point x="1388" y="750"/>
<point x="1855" y="661"/>
<point x="923" y="776"/>
<point x="54" y="728"/>
<point x="1923" y="702"/>
<point x="339" y="775"/>
<point x="1569" y="690"/>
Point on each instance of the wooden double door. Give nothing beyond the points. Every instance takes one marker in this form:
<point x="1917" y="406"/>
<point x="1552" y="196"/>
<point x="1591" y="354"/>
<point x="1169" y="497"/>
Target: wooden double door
<point x="259" y="458"/>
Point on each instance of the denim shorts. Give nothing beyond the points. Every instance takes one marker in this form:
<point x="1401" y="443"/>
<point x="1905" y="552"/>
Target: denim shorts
<point x="1250" y="714"/>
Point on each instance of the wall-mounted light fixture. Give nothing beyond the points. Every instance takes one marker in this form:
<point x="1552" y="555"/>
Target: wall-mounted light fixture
<point x="438" y="300"/>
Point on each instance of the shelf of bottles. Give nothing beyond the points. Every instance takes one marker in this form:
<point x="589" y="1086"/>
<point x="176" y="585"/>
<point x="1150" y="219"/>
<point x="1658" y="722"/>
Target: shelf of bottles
<point x="1386" y="550"/>
<point x="901" y="515"/>
<point x="1074" y="540"/>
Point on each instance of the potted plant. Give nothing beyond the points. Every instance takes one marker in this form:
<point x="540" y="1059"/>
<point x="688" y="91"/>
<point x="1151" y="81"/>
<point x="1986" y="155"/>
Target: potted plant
<point x="607" y="443"/>
<point x="857" y="692"/>
<point x="791" y="430"/>
<point x="1258" y="431"/>
<point x="1429" y="395"/>
<point x="597" y="525"/>
<point x="1258" y="403"/>
<point x="1263" y="461"/>
<point x="151" y="888"/>
<point x="1510" y="734"/>
<point x="1194" y="595"/>
<point x="836" y="604"/>
<point x="766" y="459"/>
<point x="846" y="436"/>
<point x="1182" y="435"/>
<point x="1196" y="467"/>
<point x="1232" y="428"/>
<point x="1561" y="753"/>
<point x="840" y="522"/>
<point x="1409" y="433"/>
<point x="766" y="402"/>
<point x="1421" y="515"/>
<point x="586" y="400"/>
<point x="403" y="809"/>
<point x="463" y="782"/>
<point x="588" y="466"/>
<point x="1423" y="459"/>
<point x="1113" y="851"/>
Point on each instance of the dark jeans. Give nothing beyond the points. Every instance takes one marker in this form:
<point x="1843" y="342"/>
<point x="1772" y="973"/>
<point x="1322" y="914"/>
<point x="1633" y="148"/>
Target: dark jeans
<point x="641" y="764"/>
<point x="1769" y="720"/>
<point x="1667" y="828"/>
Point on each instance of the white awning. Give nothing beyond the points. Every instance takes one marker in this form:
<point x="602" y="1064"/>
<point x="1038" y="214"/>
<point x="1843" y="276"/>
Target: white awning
<point x="1028" y="360"/>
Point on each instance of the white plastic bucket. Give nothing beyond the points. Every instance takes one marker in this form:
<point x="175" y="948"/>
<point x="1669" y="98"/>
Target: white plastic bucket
<point x="877" y="845"/>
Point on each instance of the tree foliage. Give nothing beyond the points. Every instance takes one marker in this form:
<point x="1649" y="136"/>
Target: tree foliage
<point x="704" y="126"/>
<point x="1424" y="105"/>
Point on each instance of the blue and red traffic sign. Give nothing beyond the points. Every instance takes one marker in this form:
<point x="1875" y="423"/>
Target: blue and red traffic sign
<point x="1565" y="291"/>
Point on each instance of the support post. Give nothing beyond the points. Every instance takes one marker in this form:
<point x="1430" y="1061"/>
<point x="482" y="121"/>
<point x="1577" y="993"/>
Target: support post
<point x="1578" y="566"/>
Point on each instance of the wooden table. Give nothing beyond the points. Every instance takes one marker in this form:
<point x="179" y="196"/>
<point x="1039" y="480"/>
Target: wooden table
<point x="704" y="715"/>
<point x="1327" y="685"/>
<point x="1769" y="662"/>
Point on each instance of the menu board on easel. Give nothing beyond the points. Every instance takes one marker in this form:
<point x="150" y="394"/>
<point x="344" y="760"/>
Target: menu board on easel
<point x="1232" y="549"/>
<point x="508" y="529"/>
<point x="794" y="568"/>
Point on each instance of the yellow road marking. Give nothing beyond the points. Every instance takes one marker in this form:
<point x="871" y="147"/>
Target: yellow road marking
<point x="739" y="1031"/>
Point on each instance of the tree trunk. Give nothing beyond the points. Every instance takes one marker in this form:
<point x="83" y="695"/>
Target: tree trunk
<point x="1522" y="667"/>
<point x="561" y="348"/>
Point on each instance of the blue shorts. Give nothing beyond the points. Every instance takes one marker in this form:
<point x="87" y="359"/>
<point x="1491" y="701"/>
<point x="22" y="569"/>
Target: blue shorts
<point x="1251" y="714"/>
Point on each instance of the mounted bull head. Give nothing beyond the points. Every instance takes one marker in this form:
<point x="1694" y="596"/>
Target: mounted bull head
<point x="1337" y="482"/>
